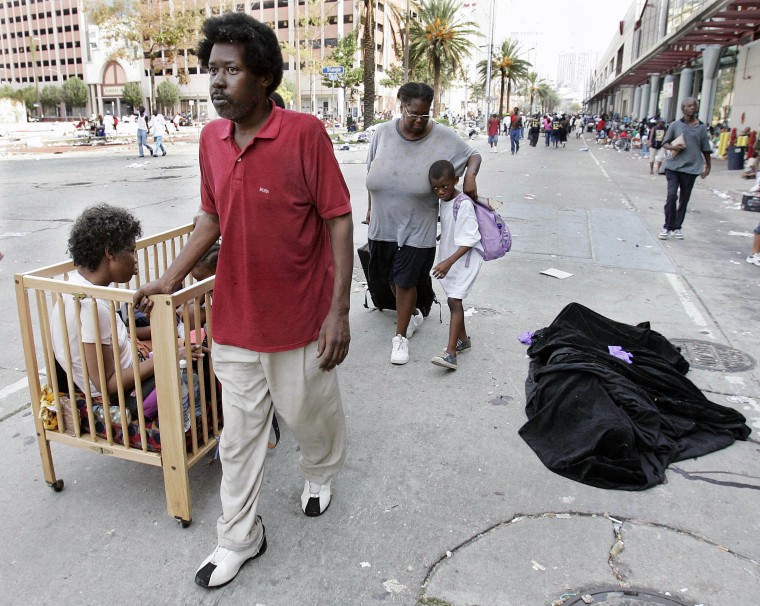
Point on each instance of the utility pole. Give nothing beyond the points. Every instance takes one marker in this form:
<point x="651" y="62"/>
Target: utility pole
<point x="33" y="48"/>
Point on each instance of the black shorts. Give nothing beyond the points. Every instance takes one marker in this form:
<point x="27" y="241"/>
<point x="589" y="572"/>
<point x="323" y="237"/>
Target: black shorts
<point x="404" y="266"/>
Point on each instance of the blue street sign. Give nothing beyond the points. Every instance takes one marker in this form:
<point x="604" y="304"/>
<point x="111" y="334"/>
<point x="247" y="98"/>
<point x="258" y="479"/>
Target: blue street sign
<point x="333" y="69"/>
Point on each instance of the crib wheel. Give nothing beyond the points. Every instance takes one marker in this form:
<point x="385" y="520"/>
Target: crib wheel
<point x="57" y="486"/>
<point x="184" y="523"/>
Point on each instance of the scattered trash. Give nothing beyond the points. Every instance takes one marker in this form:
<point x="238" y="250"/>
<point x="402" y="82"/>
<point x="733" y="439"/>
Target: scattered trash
<point x="345" y="147"/>
<point x="619" y="352"/>
<point x="529" y="197"/>
<point x="617" y="549"/>
<point x="526" y="338"/>
<point x="743" y="234"/>
<point x="583" y="149"/>
<point x="365" y="564"/>
<point x="537" y="566"/>
<point x="554" y="273"/>
<point x="137" y="164"/>
<point x="448" y="554"/>
<point x="587" y="598"/>
<point x="735" y="262"/>
<point x="393" y="586"/>
<point x="562" y="516"/>
<point x="468" y="313"/>
<point x="741" y="400"/>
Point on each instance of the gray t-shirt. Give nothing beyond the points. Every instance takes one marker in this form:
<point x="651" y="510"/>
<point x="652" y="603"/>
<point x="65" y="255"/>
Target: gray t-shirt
<point x="404" y="207"/>
<point x="690" y="160"/>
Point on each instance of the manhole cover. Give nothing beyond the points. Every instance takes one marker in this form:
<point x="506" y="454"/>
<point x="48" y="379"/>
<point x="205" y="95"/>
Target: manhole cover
<point x="705" y="355"/>
<point x="624" y="597"/>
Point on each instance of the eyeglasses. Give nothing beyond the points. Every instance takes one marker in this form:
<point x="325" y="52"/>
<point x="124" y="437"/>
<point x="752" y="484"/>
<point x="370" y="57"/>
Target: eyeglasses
<point x="417" y="116"/>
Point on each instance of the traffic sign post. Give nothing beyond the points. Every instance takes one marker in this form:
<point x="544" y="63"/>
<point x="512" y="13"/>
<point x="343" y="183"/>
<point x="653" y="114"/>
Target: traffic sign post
<point x="338" y="70"/>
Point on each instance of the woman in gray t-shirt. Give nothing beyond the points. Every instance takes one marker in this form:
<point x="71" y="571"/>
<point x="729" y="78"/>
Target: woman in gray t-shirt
<point x="403" y="210"/>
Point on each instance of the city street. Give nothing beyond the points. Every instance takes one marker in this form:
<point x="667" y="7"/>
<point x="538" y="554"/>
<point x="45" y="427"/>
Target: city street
<point x="441" y="502"/>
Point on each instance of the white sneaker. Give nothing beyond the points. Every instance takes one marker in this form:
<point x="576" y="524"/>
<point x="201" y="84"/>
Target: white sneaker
<point x="414" y="323"/>
<point x="678" y="234"/>
<point x="664" y="234"/>
<point x="754" y="259"/>
<point x="400" y="351"/>
<point x="223" y="564"/>
<point x="315" y="498"/>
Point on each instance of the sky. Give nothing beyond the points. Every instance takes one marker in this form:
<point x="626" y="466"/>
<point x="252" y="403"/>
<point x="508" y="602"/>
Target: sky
<point x="555" y="25"/>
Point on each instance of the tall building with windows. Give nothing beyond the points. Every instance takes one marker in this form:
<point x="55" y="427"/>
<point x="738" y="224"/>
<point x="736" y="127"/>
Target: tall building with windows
<point x="48" y="41"/>
<point x="573" y="69"/>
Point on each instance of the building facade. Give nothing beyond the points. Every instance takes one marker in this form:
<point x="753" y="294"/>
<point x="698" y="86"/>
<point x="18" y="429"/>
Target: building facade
<point x="667" y="50"/>
<point x="48" y="41"/>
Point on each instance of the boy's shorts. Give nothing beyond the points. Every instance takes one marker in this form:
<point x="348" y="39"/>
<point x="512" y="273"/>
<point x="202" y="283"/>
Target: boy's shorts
<point x="493" y="139"/>
<point x="403" y="266"/>
<point x="656" y="154"/>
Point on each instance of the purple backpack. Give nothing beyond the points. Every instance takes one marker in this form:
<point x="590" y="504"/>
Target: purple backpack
<point x="494" y="233"/>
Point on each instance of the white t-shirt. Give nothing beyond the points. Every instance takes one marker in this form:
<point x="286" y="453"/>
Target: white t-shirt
<point x="88" y="333"/>
<point x="462" y="232"/>
<point x="158" y="124"/>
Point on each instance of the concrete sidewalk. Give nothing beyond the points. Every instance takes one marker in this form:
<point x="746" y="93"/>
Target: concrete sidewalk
<point x="440" y="502"/>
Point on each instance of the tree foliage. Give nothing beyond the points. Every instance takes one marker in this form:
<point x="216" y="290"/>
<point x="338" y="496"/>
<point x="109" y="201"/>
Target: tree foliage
<point x="507" y="68"/>
<point x="167" y="95"/>
<point x="344" y="54"/>
<point x="133" y="94"/>
<point x="50" y="96"/>
<point x="74" y="93"/>
<point x="442" y="38"/>
<point x="160" y="30"/>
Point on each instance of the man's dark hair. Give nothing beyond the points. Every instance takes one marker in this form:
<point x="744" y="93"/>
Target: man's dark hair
<point x="262" y="54"/>
<point x="99" y="229"/>
<point x="442" y="169"/>
<point x="415" y="90"/>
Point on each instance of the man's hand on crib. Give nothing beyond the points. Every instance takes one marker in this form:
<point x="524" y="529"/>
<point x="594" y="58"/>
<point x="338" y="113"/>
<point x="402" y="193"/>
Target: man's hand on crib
<point x="142" y="296"/>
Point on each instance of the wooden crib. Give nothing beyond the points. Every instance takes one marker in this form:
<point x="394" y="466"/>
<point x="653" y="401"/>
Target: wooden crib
<point x="68" y="420"/>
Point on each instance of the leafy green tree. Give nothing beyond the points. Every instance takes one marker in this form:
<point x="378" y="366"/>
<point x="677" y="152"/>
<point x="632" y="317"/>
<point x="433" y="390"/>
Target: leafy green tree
<point x="548" y="97"/>
<point x="442" y="38"/>
<point x="28" y="95"/>
<point x="507" y="67"/>
<point x="74" y="93"/>
<point x="160" y="30"/>
<point x="343" y="55"/>
<point x="50" y="96"/>
<point x="133" y="94"/>
<point x="167" y="95"/>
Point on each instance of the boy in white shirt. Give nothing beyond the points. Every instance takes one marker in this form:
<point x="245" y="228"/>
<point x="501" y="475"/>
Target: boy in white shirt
<point x="458" y="265"/>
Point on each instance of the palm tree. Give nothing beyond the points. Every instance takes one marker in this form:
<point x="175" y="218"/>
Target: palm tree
<point x="367" y="19"/>
<point x="507" y="67"/>
<point x="530" y="87"/>
<point x="548" y="96"/>
<point x="442" y="38"/>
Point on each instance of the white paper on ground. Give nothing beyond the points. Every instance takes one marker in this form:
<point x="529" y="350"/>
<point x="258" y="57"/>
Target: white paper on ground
<point x="556" y="273"/>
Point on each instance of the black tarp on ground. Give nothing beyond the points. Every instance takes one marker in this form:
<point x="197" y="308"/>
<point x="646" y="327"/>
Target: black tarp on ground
<point x="594" y="418"/>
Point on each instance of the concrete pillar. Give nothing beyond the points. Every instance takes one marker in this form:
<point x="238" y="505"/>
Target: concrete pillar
<point x="645" y="93"/>
<point x="667" y="102"/>
<point x="654" y="94"/>
<point x="635" y="115"/>
<point x="685" y="88"/>
<point x="710" y="60"/>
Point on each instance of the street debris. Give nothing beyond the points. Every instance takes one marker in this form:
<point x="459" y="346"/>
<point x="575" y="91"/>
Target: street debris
<point x="393" y="586"/>
<point x="554" y="273"/>
<point x="537" y="566"/>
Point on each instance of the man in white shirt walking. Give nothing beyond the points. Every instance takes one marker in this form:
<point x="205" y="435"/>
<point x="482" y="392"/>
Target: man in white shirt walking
<point x="158" y="124"/>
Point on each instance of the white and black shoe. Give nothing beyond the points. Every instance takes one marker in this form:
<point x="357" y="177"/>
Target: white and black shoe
<point x="223" y="564"/>
<point x="315" y="498"/>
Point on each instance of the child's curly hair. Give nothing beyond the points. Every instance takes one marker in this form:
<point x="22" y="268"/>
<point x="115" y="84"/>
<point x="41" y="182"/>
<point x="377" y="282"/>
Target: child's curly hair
<point x="262" y="55"/>
<point x="100" y="229"/>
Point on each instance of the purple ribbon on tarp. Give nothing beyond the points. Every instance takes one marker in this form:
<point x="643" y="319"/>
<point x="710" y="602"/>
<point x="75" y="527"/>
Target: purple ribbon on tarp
<point x="619" y="352"/>
<point x="526" y="338"/>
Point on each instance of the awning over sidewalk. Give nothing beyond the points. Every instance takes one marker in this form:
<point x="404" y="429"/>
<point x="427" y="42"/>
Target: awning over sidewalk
<point x="732" y="23"/>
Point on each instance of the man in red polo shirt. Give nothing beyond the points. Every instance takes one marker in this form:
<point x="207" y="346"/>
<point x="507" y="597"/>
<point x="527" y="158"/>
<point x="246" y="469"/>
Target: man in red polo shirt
<point x="272" y="188"/>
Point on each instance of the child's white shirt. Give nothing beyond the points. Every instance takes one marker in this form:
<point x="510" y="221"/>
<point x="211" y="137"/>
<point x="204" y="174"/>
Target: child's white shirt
<point x="462" y="232"/>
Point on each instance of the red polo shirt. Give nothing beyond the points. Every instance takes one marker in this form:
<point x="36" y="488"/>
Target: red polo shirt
<point x="274" y="277"/>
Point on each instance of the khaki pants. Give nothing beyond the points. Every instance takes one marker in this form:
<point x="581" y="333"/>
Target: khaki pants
<point x="305" y="398"/>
